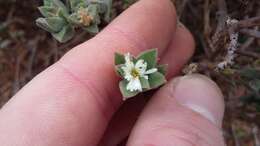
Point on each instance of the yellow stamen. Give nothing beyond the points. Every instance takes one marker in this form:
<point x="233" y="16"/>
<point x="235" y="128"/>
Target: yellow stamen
<point x="135" y="73"/>
<point x="84" y="17"/>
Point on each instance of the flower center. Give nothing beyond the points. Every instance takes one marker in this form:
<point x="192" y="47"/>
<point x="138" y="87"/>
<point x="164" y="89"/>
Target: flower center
<point x="85" y="18"/>
<point x="135" y="73"/>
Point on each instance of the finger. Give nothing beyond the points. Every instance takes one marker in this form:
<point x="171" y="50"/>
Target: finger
<point x="187" y="111"/>
<point x="71" y="102"/>
<point x="129" y="33"/>
<point x="179" y="52"/>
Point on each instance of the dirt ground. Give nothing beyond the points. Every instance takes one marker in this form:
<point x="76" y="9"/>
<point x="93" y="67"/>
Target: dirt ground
<point x="26" y="50"/>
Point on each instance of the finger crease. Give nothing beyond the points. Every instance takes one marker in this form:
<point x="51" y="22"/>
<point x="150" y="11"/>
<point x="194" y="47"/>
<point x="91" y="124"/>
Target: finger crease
<point x="100" y="97"/>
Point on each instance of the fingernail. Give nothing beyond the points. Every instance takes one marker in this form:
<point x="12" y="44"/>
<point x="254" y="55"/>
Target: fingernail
<point x="200" y="94"/>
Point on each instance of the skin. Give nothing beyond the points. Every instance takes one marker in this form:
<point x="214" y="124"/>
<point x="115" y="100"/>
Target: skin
<point x="76" y="101"/>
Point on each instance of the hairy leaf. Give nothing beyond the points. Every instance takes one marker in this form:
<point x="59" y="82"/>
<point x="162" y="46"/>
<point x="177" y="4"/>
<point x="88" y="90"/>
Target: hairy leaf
<point x="145" y="83"/>
<point x="65" y="34"/>
<point x="150" y="57"/>
<point x="156" y="79"/>
<point x="119" y="59"/>
<point x="119" y="70"/>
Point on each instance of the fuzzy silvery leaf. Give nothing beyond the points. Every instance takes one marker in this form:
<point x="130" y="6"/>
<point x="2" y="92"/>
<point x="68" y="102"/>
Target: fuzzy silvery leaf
<point x="47" y="11"/>
<point x="47" y="2"/>
<point x="59" y="4"/>
<point x="108" y="11"/>
<point x="61" y="19"/>
<point x="75" y="4"/>
<point x="73" y="18"/>
<point x="119" y="59"/>
<point x="150" y="57"/>
<point x="54" y="24"/>
<point x="92" y="29"/>
<point x="42" y="23"/>
<point x="105" y="8"/>
<point x="93" y="12"/>
<point x="126" y="94"/>
<point x="65" y="34"/>
<point x="156" y="79"/>
<point x="162" y="69"/>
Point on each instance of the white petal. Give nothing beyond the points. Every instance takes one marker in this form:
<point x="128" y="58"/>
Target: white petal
<point x="134" y="85"/>
<point x="141" y="66"/>
<point x="145" y="76"/>
<point x="128" y="77"/>
<point x="150" y="71"/>
<point x="127" y="57"/>
<point x="126" y="69"/>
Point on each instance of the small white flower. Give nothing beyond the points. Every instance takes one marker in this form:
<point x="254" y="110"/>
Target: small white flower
<point x="133" y="73"/>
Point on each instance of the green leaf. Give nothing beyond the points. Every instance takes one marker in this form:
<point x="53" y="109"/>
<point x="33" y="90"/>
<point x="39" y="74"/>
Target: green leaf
<point x="47" y="2"/>
<point x="145" y="83"/>
<point x="93" y="29"/>
<point x="162" y="68"/>
<point x="150" y="57"/>
<point x="42" y="23"/>
<point x="126" y="94"/>
<point x="119" y="70"/>
<point x="65" y="34"/>
<point x="156" y="79"/>
<point x="108" y="11"/>
<point x="93" y="12"/>
<point x="250" y="73"/>
<point x="73" y="18"/>
<point x="119" y="59"/>
<point x="47" y="11"/>
<point x="60" y="4"/>
<point x="75" y="4"/>
<point x="56" y="23"/>
<point x="105" y="8"/>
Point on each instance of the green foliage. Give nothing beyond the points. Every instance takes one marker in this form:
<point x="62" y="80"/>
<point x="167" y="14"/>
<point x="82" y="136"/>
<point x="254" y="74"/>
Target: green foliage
<point x="126" y="93"/>
<point x="154" y="80"/>
<point x="61" y="19"/>
<point x="150" y="57"/>
<point x="119" y="59"/>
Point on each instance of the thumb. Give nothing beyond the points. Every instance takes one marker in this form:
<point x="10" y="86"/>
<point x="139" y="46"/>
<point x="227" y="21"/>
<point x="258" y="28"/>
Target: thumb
<point x="187" y="111"/>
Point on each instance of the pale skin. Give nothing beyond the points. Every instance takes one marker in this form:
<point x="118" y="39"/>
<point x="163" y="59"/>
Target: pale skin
<point x="72" y="102"/>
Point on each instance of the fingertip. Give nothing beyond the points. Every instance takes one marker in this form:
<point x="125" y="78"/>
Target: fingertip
<point x="202" y="95"/>
<point x="186" y="111"/>
<point x="146" y="24"/>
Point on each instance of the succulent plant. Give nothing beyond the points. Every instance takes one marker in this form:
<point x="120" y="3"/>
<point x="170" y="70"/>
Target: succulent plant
<point x="140" y="73"/>
<point x="61" y="19"/>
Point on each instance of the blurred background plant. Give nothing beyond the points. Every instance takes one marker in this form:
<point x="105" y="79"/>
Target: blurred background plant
<point x="61" y="19"/>
<point x="26" y="50"/>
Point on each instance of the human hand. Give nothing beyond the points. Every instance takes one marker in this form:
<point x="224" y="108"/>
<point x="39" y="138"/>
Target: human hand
<point x="72" y="102"/>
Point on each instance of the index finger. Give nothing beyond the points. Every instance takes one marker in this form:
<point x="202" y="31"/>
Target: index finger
<point x="71" y="102"/>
